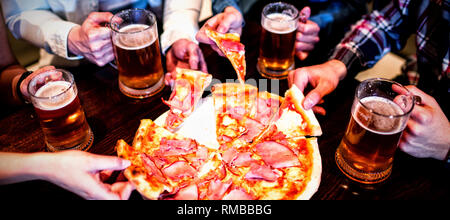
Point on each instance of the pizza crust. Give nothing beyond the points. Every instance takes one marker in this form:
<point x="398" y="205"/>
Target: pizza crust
<point x="316" y="173"/>
<point x="297" y="100"/>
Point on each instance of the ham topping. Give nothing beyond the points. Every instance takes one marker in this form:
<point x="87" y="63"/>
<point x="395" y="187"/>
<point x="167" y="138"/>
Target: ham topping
<point x="152" y="169"/>
<point x="277" y="155"/>
<point x="261" y="172"/>
<point x="217" y="189"/>
<point x="177" y="147"/>
<point x="179" y="170"/>
<point x="187" y="193"/>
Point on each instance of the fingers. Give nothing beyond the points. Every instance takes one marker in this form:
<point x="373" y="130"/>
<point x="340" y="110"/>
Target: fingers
<point x="421" y="114"/>
<point x="123" y="189"/>
<point x="98" y="163"/>
<point x="100" y="17"/>
<point x="308" y="28"/>
<point x="302" y="55"/>
<point x="299" y="77"/>
<point x="230" y="21"/>
<point x="425" y="98"/>
<point x="305" y="13"/>
<point x="193" y="54"/>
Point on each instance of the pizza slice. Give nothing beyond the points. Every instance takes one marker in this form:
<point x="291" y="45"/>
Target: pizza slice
<point x="164" y="163"/>
<point x="187" y="91"/>
<point x="291" y="170"/>
<point x="230" y="45"/>
<point x="233" y="104"/>
<point x="293" y="120"/>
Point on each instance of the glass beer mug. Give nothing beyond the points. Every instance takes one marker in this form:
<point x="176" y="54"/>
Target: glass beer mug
<point x="380" y="111"/>
<point x="55" y="99"/>
<point x="137" y="52"/>
<point x="277" y="47"/>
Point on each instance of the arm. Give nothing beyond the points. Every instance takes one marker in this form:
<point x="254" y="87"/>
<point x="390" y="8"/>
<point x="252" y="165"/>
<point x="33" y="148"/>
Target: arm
<point x="373" y="37"/>
<point x="178" y="39"/>
<point x="10" y="70"/>
<point x="339" y="14"/>
<point x="34" y="22"/>
<point x="180" y="21"/>
<point x="76" y="171"/>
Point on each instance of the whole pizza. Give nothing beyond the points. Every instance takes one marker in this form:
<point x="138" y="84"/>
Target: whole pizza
<point x="254" y="145"/>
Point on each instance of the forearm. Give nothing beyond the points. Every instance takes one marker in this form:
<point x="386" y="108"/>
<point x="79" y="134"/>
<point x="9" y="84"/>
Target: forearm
<point x="19" y="167"/>
<point x="372" y="37"/>
<point x="43" y="29"/>
<point x="180" y="21"/>
<point x="8" y="85"/>
<point x="339" y="15"/>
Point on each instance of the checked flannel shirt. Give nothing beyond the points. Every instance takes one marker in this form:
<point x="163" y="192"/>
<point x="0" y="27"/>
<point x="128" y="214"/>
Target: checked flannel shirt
<point x="388" y="30"/>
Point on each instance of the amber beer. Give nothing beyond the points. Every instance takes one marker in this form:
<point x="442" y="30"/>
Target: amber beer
<point x="277" y="46"/>
<point x="137" y="52"/>
<point x="366" y="152"/>
<point x="59" y="111"/>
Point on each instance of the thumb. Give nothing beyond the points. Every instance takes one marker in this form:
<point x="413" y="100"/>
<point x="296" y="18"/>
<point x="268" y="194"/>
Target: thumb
<point x="315" y="95"/>
<point x="305" y="13"/>
<point x="97" y="162"/>
<point x="228" y="22"/>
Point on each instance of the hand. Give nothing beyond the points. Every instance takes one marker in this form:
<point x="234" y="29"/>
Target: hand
<point x="26" y="81"/>
<point x="427" y="132"/>
<point x="80" y="172"/>
<point x="184" y="54"/>
<point x="324" y="78"/>
<point x="307" y="35"/>
<point x="92" y="40"/>
<point x="229" y="21"/>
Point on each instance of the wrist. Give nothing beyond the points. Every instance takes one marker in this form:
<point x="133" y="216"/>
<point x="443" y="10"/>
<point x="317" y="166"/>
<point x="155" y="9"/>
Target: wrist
<point x="73" y="39"/>
<point x="339" y="68"/>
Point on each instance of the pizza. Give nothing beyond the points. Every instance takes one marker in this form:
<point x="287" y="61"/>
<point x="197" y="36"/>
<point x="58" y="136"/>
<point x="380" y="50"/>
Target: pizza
<point x="262" y="159"/>
<point x="187" y="91"/>
<point x="234" y="104"/>
<point x="230" y="45"/>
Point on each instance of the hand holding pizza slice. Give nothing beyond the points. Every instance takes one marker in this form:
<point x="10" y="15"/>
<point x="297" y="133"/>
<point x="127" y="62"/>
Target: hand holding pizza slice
<point x="230" y="45"/>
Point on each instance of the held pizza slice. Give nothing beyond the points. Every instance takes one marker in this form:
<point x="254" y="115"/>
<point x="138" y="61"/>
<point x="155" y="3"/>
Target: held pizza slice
<point x="188" y="90"/>
<point x="230" y="45"/>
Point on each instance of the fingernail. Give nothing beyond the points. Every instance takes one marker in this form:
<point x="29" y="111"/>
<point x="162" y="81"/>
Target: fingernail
<point x="126" y="163"/>
<point x="308" y="103"/>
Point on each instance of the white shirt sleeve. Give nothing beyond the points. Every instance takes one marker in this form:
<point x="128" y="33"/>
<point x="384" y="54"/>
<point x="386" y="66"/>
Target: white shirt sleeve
<point x="40" y="27"/>
<point x="180" y="21"/>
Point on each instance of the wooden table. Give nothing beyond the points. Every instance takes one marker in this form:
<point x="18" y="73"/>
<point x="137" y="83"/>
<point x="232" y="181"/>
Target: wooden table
<point x="113" y="116"/>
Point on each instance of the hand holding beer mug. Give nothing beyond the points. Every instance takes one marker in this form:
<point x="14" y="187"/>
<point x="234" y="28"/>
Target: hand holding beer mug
<point x="138" y="57"/>
<point x="55" y="98"/>
<point x="277" y="47"/>
<point x="380" y="112"/>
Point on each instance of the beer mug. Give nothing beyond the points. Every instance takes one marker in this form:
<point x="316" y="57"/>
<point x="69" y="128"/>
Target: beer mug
<point x="137" y="52"/>
<point x="277" y="47"/>
<point x="55" y="99"/>
<point x="380" y="111"/>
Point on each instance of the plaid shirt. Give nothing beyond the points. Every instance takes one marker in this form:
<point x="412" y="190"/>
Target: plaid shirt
<point x="388" y="30"/>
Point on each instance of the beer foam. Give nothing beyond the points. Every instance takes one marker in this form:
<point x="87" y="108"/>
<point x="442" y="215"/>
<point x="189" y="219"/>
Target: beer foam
<point x="376" y="123"/>
<point x="279" y="23"/>
<point x="137" y="39"/>
<point x="56" y="90"/>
